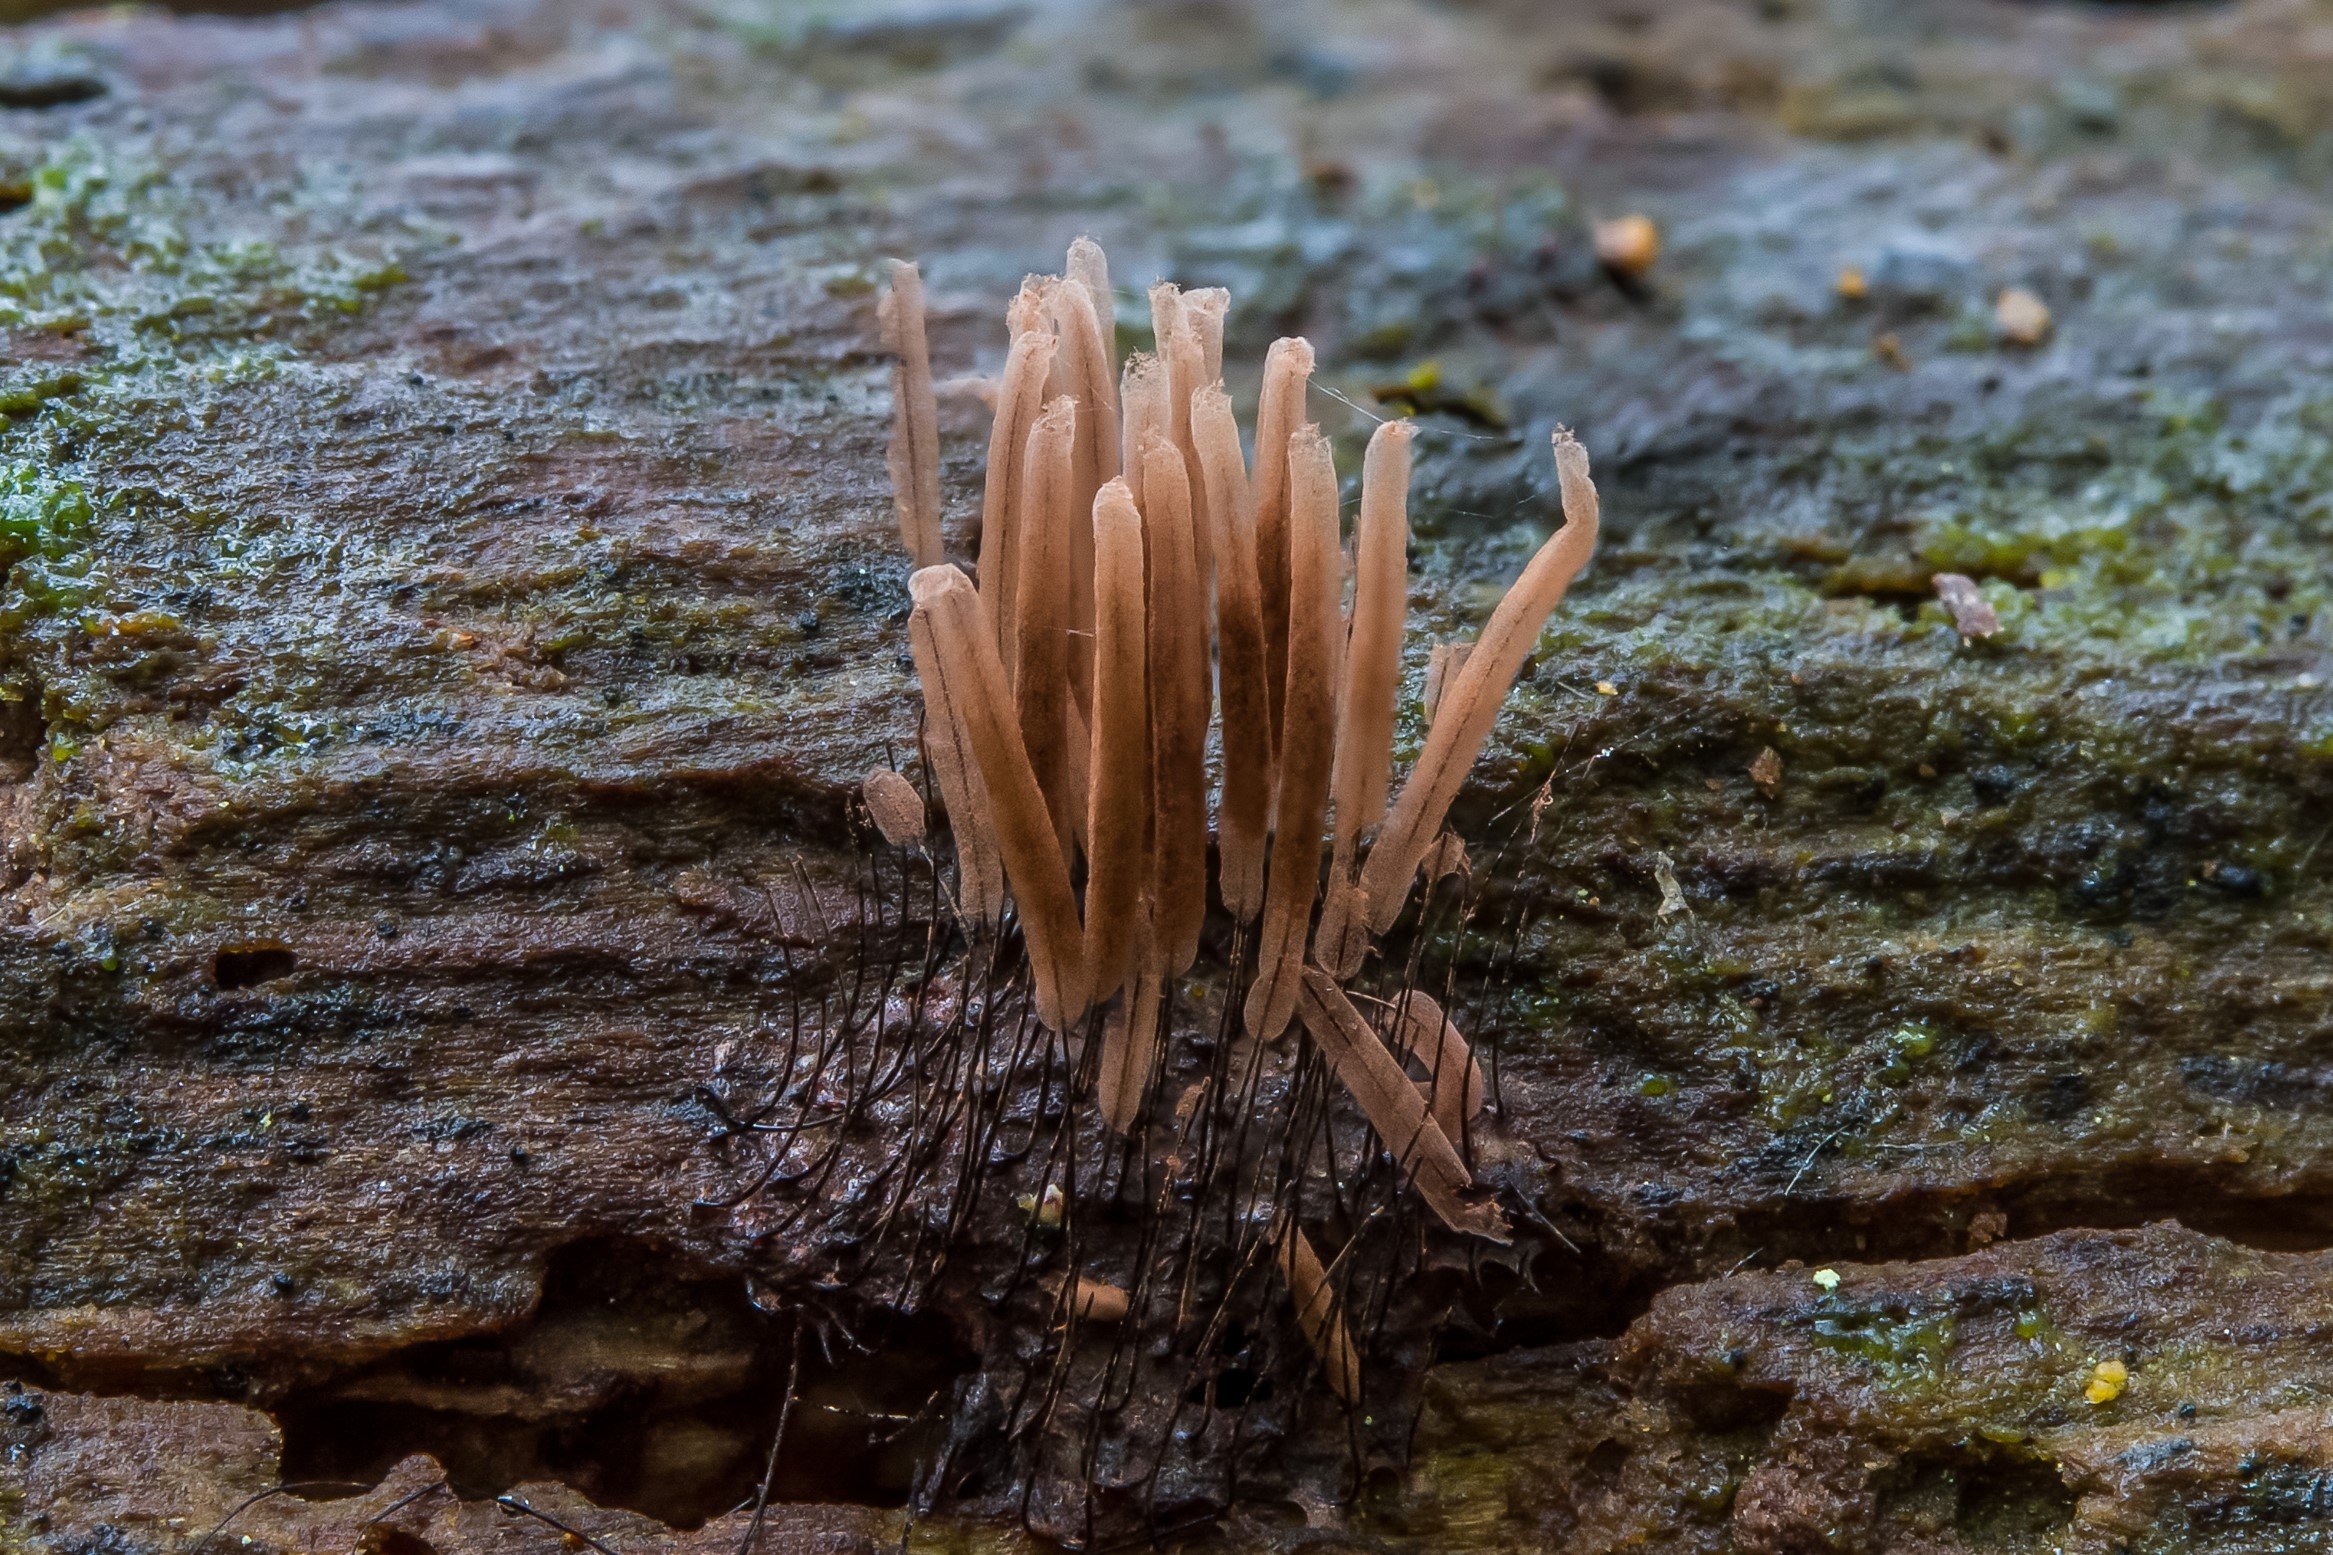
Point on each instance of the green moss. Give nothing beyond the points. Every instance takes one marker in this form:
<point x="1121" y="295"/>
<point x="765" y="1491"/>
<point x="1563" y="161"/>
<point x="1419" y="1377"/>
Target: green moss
<point x="46" y="521"/>
<point x="111" y="246"/>
<point x="1895" y="1341"/>
<point x="160" y="314"/>
<point x="40" y="513"/>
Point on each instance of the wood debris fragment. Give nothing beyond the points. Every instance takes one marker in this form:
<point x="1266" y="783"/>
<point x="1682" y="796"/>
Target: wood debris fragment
<point x="1972" y="615"/>
<point x="1628" y="245"/>
<point x="1672" y="903"/>
<point x="2020" y="318"/>
<point x="1095" y="1301"/>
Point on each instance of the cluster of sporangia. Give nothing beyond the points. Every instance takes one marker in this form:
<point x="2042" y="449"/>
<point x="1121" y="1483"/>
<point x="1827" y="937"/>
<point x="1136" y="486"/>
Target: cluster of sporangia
<point x="1136" y="575"/>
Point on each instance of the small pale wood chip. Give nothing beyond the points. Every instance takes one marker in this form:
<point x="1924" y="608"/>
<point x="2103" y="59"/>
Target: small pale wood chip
<point x="1672" y="903"/>
<point x="1628" y="245"/>
<point x="1096" y="1301"/>
<point x="1971" y="615"/>
<point x="2022" y="318"/>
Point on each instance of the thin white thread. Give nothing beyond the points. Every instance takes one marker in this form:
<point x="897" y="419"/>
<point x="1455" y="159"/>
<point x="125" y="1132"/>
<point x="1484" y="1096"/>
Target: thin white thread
<point x="1472" y="437"/>
<point x="1536" y="493"/>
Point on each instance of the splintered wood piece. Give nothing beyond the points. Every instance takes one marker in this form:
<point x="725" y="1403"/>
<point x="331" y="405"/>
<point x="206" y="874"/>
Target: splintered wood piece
<point x="1185" y="360"/>
<point x="1142" y="410"/>
<point x="896" y="807"/>
<point x="1129" y="1048"/>
<point x="1280" y="411"/>
<point x="1117" y="864"/>
<point x="1044" y="593"/>
<point x="914" y="455"/>
<point x="1019" y="400"/>
<point x="947" y="748"/>
<point x="1470" y="703"/>
<point x="1371" y="688"/>
<point x="955" y="652"/>
<point x="1421" y="1034"/>
<point x="1307" y="734"/>
<point x="1395" y="1109"/>
<point x="1180" y="697"/>
<point x="1090" y="268"/>
<point x="1246" y="812"/>
<point x="1319" y="1314"/>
